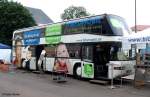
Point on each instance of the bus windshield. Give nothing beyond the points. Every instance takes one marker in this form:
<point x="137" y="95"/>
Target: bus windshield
<point x="117" y="55"/>
<point x="118" y="25"/>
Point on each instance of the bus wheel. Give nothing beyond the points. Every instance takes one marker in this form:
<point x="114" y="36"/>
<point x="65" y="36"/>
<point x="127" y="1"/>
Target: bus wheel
<point x="77" y="71"/>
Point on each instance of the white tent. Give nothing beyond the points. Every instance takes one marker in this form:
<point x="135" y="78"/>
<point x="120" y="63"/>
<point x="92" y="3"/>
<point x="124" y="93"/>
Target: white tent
<point x="5" y="53"/>
<point x="140" y="37"/>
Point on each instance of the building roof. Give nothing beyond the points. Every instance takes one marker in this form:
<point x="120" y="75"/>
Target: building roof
<point x="39" y="16"/>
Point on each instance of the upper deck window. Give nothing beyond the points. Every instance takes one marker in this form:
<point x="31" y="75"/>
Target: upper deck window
<point x="85" y="25"/>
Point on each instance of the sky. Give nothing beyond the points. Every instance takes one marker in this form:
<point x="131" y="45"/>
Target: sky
<point x="123" y="8"/>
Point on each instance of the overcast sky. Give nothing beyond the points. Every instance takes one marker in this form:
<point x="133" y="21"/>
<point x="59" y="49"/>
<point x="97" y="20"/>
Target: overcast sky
<point x="123" y="8"/>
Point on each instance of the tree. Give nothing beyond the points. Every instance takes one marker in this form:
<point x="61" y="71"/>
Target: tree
<point x="74" y="12"/>
<point x="13" y="16"/>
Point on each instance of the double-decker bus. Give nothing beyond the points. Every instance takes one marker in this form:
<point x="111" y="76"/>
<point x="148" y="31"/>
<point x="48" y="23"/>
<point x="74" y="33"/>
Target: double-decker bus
<point x="83" y="46"/>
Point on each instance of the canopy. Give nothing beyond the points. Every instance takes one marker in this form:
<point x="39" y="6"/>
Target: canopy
<point x="3" y="46"/>
<point x="5" y="53"/>
<point x="140" y="37"/>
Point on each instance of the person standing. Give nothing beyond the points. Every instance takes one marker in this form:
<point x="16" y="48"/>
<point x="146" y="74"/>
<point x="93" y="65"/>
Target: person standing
<point x="41" y="59"/>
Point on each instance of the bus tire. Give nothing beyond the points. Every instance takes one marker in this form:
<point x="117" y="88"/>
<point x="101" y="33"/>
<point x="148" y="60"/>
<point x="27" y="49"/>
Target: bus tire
<point x="75" y="68"/>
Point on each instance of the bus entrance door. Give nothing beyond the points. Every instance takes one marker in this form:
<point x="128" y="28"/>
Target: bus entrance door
<point x="100" y="59"/>
<point x="38" y="51"/>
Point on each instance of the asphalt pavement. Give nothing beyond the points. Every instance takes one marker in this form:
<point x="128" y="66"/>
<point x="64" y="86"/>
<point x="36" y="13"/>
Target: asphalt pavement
<point x="21" y="83"/>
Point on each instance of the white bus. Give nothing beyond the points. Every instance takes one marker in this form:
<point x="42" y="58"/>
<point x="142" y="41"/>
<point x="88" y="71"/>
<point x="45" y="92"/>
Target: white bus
<point x="83" y="46"/>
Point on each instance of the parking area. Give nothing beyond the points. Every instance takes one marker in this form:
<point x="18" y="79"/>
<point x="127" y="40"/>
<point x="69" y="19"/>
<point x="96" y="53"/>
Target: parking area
<point x="28" y="84"/>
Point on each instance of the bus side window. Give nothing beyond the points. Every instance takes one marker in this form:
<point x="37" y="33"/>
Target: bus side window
<point x="71" y="54"/>
<point x="50" y="51"/>
<point x="74" y="51"/>
<point x="113" y="52"/>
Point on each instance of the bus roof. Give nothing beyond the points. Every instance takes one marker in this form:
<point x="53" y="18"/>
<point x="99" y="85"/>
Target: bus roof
<point x="45" y="25"/>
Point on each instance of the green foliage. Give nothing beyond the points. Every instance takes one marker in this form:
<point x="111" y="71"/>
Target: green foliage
<point x="13" y="16"/>
<point x="74" y="12"/>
